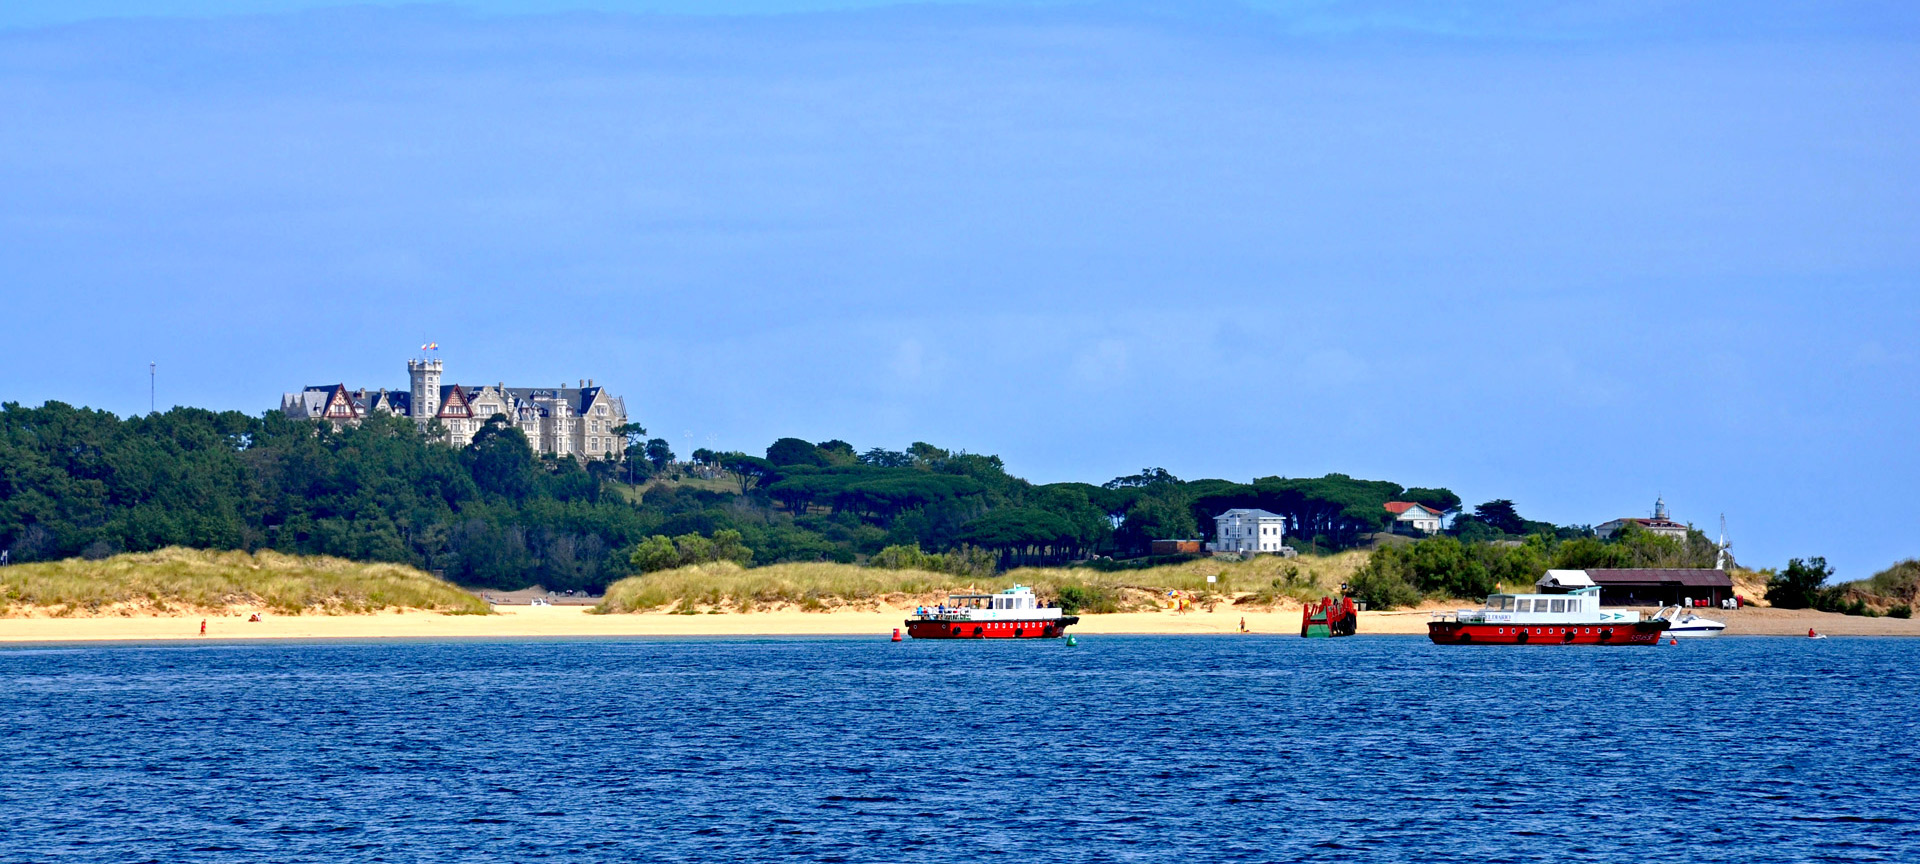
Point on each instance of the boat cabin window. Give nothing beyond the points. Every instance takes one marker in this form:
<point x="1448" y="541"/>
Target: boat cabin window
<point x="1500" y="603"/>
<point x="1526" y="605"/>
<point x="1559" y="605"/>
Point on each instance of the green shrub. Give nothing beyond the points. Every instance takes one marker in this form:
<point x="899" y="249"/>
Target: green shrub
<point x="1800" y="587"/>
<point x="1383" y="583"/>
<point x="963" y="561"/>
<point x="1901" y="611"/>
<point x="1442" y="565"/>
<point x="905" y="558"/>
<point x="1096" y="599"/>
<point x="659" y="553"/>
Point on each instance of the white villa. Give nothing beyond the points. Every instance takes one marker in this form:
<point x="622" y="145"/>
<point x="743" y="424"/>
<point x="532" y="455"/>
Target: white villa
<point x="1411" y="518"/>
<point x="1249" y="532"/>
<point x="567" y="421"/>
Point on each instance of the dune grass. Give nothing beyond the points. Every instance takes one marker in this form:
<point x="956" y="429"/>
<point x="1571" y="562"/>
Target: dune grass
<point x="177" y="579"/>
<point x="1262" y="581"/>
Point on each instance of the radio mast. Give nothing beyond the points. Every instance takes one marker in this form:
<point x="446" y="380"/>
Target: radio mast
<point x="1724" y="559"/>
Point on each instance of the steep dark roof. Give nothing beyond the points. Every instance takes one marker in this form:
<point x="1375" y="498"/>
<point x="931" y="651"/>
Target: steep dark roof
<point x="1689" y="577"/>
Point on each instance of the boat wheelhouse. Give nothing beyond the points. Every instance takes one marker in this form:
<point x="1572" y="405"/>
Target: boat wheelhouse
<point x="1011" y="614"/>
<point x="1565" y="612"/>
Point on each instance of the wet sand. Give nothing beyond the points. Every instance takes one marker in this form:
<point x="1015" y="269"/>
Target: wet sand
<point x="565" y="621"/>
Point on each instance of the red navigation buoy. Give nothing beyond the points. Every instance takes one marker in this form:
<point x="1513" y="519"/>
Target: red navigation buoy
<point x="896" y="634"/>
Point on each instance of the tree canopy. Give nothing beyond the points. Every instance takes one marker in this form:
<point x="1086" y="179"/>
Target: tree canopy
<point x="497" y="514"/>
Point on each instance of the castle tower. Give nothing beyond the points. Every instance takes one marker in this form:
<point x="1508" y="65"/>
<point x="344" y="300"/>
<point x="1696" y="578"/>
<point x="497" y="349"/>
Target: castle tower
<point x="425" y="375"/>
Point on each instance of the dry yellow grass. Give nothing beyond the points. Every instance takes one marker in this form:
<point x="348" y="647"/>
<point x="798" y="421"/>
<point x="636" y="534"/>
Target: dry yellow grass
<point x="725" y="586"/>
<point x="191" y="580"/>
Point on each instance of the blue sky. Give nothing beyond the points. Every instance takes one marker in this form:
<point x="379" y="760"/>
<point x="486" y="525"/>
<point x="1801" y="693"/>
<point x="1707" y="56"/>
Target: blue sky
<point x="1574" y="255"/>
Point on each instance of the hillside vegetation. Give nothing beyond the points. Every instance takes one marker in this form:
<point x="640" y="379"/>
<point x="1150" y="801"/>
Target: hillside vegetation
<point x="495" y="514"/>
<point x="726" y="586"/>
<point x="189" y="580"/>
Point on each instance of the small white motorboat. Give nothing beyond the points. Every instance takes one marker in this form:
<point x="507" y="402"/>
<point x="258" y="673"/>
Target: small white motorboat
<point x="1682" y="622"/>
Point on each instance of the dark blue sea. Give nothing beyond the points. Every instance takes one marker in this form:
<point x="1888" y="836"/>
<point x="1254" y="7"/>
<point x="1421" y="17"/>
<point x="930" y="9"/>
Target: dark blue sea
<point x="1120" y="749"/>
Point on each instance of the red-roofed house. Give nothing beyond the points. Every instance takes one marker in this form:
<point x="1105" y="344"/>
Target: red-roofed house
<point x="1411" y="518"/>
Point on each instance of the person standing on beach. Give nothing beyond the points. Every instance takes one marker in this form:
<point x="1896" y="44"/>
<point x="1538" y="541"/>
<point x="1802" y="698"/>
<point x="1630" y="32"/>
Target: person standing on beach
<point x="203" y="626"/>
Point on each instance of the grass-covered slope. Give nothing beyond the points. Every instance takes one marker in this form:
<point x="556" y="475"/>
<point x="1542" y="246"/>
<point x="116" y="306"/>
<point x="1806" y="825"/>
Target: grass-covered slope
<point x="181" y="580"/>
<point x="726" y="586"/>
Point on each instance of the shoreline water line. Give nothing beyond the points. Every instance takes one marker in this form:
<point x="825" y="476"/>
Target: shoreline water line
<point x="524" y="622"/>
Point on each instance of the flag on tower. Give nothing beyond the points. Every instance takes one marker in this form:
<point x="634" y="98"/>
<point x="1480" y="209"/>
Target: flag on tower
<point x="430" y="346"/>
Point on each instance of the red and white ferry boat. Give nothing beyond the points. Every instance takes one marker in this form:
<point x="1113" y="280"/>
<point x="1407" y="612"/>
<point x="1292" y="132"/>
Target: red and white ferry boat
<point x="1567" y="612"/>
<point x="1011" y="614"/>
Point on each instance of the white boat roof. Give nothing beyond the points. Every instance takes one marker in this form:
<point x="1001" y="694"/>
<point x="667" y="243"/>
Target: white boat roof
<point x="1017" y="589"/>
<point x="1565" y="579"/>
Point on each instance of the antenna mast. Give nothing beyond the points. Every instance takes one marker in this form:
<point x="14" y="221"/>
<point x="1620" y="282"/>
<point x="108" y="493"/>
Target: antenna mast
<point x="151" y="372"/>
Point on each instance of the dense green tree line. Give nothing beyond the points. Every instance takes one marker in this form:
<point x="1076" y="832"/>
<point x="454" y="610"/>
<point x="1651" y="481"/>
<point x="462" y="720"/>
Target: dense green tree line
<point x="495" y="514"/>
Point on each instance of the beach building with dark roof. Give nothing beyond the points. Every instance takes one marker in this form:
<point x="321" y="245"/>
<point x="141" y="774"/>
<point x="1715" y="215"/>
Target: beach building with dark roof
<point x="1662" y="587"/>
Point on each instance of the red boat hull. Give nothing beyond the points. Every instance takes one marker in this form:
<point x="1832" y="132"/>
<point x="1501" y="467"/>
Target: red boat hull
<point x="1456" y="633"/>
<point x="1050" y="628"/>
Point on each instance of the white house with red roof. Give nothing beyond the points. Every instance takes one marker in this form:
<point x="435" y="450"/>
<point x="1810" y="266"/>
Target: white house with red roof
<point x="1413" y="518"/>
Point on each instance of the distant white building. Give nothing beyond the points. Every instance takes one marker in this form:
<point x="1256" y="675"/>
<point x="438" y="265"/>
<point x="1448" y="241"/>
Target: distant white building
<point x="1249" y="532"/>
<point x="1411" y="518"/>
<point x="1659" y="524"/>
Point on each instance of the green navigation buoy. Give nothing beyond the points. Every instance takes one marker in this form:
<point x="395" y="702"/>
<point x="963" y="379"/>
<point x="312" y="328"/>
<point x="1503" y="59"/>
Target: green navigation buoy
<point x="1071" y="641"/>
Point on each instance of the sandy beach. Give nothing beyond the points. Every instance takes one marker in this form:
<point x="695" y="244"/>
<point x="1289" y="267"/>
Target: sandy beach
<point x="576" y="621"/>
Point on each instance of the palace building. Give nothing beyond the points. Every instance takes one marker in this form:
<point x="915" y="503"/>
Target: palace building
<point x="567" y="421"/>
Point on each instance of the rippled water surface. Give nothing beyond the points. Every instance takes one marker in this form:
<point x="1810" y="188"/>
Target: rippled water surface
<point x="1121" y="749"/>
